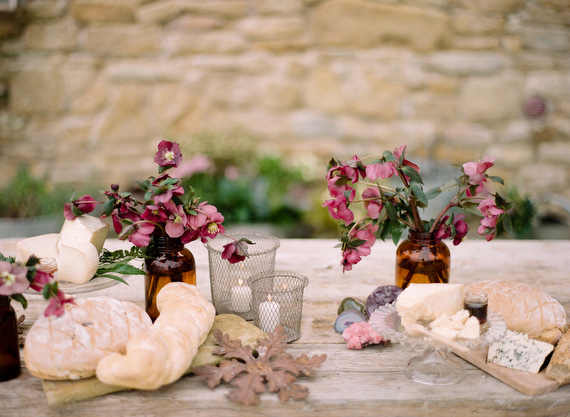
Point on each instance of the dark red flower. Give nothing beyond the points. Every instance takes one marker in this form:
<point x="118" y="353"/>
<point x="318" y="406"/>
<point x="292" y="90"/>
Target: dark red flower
<point x="168" y="154"/>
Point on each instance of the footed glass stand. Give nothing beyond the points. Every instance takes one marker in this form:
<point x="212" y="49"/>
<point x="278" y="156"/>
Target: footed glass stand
<point x="436" y="365"/>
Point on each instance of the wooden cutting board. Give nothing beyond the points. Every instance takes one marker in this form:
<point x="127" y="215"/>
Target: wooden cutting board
<point x="525" y="382"/>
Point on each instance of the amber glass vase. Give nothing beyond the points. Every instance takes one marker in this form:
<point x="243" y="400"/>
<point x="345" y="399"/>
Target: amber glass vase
<point x="10" y="366"/>
<point x="419" y="259"/>
<point x="169" y="261"/>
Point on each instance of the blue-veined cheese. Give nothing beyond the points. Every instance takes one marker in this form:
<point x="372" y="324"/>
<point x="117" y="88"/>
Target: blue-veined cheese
<point x="429" y="301"/>
<point x="518" y="351"/>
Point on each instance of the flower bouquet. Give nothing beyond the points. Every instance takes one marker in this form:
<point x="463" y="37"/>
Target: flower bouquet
<point x="389" y="211"/>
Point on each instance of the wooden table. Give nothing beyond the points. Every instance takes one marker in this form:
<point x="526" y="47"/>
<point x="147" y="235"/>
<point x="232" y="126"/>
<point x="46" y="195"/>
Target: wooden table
<point x="350" y="383"/>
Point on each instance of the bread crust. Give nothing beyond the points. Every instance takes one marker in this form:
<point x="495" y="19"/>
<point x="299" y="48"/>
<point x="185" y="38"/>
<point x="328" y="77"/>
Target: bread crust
<point x="524" y="308"/>
<point x="70" y="346"/>
<point x="559" y="366"/>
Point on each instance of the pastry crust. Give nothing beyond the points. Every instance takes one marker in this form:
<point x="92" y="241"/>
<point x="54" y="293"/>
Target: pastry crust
<point x="524" y="308"/>
<point x="165" y="352"/>
<point x="70" y="346"/>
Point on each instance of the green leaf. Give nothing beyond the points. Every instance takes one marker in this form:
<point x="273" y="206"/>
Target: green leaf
<point x="386" y="229"/>
<point x="419" y="193"/>
<point x="388" y="156"/>
<point x="433" y="193"/>
<point x="396" y="233"/>
<point x="391" y="210"/>
<point x="412" y="173"/>
<point x="115" y="277"/>
<point x="498" y="179"/>
<point x="21" y="299"/>
<point x="109" y="206"/>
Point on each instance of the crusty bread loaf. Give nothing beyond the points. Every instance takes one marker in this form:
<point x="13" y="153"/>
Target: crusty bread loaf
<point x="70" y="346"/>
<point x="163" y="353"/>
<point x="524" y="308"/>
<point x="559" y="366"/>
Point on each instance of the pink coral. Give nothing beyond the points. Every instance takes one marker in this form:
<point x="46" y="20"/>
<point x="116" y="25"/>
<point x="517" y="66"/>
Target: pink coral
<point x="359" y="335"/>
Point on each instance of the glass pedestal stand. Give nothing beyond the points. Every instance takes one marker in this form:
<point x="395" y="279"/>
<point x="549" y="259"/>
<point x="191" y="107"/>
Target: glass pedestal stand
<point x="434" y="366"/>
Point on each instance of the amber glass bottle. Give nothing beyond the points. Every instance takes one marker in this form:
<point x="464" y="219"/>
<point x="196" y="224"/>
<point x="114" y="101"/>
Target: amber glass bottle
<point x="169" y="261"/>
<point x="419" y="259"/>
<point x="10" y="366"/>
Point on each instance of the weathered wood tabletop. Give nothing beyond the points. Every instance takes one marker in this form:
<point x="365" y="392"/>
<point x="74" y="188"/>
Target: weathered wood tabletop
<point x="350" y="383"/>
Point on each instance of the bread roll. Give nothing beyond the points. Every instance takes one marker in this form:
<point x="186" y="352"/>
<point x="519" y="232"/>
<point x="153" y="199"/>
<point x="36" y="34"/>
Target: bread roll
<point x="165" y="351"/>
<point x="559" y="366"/>
<point x="525" y="309"/>
<point x="70" y="346"/>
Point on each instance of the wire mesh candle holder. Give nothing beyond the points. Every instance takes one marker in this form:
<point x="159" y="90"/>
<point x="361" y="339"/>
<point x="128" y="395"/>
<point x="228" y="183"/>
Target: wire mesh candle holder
<point x="277" y="298"/>
<point x="231" y="293"/>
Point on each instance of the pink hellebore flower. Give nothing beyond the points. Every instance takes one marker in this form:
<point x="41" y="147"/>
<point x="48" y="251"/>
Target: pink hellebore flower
<point x="13" y="279"/>
<point x="154" y="213"/>
<point x="177" y="219"/>
<point x="372" y="202"/>
<point x="339" y="210"/>
<point x="84" y="204"/>
<point x="141" y="235"/>
<point x="490" y="212"/>
<point x="168" y="154"/>
<point x="57" y="304"/>
<point x="380" y="170"/>
<point x="398" y="152"/>
<point x="353" y="255"/>
<point x="339" y="176"/>
<point x="458" y="229"/>
<point x="212" y="227"/>
<point x="476" y="170"/>
<point x="41" y="278"/>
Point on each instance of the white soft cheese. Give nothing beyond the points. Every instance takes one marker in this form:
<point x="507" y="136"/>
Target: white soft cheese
<point x="518" y="351"/>
<point x="83" y="229"/>
<point x="77" y="263"/>
<point x="471" y="329"/>
<point x="429" y="301"/>
<point x="42" y="246"/>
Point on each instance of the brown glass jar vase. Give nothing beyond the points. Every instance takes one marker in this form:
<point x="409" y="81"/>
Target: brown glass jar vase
<point x="10" y="366"/>
<point x="419" y="259"/>
<point x="169" y="261"/>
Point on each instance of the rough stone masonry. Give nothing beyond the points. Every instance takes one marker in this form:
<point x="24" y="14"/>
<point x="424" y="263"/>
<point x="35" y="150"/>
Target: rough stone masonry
<point x="87" y="86"/>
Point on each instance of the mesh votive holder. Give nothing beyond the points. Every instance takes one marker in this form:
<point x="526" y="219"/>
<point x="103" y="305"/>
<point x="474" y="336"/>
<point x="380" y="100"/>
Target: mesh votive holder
<point x="277" y="298"/>
<point x="231" y="293"/>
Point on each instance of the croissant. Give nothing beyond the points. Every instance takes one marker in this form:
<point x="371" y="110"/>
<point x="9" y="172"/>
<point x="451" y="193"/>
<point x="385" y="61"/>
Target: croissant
<point x="524" y="308"/>
<point x="70" y="346"/>
<point x="164" y="352"/>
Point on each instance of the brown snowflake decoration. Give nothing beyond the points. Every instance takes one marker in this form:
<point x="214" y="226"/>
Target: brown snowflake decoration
<point x="248" y="371"/>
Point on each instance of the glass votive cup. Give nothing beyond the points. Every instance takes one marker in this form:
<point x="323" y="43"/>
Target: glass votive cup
<point x="277" y="299"/>
<point x="476" y="303"/>
<point x="229" y="286"/>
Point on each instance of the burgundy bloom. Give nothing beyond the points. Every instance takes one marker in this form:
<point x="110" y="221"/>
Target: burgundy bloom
<point x="235" y="251"/>
<point x="338" y="177"/>
<point x="83" y="205"/>
<point x="140" y="236"/>
<point x="163" y="189"/>
<point x="398" y="152"/>
<point x="57" y="304"/>
<point x="41" y="278"/>
<point x="352" y="253"/>
<point x="452" y="227"/>
<point x="154" y="213"/>
<point x="213" y="226"/>
<point x="176" y="222"/>
<point x="13" y="278"/>
<point x="168" y="154"/>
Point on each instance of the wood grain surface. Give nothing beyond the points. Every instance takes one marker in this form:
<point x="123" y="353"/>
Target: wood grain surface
<point x="369" y="382"/>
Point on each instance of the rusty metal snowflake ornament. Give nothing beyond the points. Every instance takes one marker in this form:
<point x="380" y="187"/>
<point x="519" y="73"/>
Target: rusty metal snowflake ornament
<point x="249" y="371"/>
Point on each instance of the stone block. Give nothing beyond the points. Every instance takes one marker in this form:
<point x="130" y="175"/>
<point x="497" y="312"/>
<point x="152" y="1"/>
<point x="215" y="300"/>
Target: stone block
<point x="477" y="24"/>
<point x="554" y="152"/>
<point x="309" y="123"/>
<point x="159" y="12"/>
<point x="271" y="28"/>
<point x="171" y="102"/>
<point x="510" y="155"/>
<point x="54" y="35"/>
<point x="363" y="24"/>
<point x="194" y="23"/>
<point x="546" y="39"/>
<point x="215" y="42"/>
<point x="91" y="100"/>
<point x="492" y="99"/>
<point x="46" y="9"/>
<point x="279" y="7"/>
<point x="552" y="178"/>
<point x="37" y="91"/>
<point x="476" y="43"/>
<point x="123" y="40"/>
<point x="103" y="10"/>
<point x="503" y="6"/>
<point x="230" y="9"/>
<point x="146" y="71"/>
<point x="460" y="63"/>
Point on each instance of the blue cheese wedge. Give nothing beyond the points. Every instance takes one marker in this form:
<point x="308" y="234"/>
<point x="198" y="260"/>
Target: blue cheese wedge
<point x="518" y="351"/>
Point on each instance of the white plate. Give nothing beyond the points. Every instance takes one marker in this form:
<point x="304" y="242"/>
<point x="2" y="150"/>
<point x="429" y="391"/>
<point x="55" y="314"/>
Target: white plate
<point x="94" y="284"/>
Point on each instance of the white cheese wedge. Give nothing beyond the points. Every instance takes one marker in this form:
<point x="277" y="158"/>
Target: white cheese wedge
<point x="429" y="301"/>
<point x="518" y="351"/>
<point x="446" y="332"/>
<point x="77" y="263"/>
<point x="42" y="246"/>
<point x="83" y="229"/>
<point x="470" y="329"/>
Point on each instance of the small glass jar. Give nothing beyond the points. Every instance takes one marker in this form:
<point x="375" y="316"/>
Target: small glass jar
<point x="419" y="259"/>
<point x="170" y="261"/>
<point x="10" y="366"/>
<point x="476" y="303"/>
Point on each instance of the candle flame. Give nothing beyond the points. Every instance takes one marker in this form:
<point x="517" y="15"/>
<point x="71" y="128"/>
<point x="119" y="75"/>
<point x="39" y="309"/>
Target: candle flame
<point x="240" y="282"/>
<point x="268" y="297"/>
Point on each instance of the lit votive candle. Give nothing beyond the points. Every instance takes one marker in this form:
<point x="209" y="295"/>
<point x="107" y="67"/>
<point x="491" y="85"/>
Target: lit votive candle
<point x="241" y="297"/>
<point x="268" y="315"/>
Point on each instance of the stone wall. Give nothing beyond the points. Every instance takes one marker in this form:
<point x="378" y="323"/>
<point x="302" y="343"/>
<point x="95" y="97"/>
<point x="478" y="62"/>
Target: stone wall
<point x="89" y="85"/>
